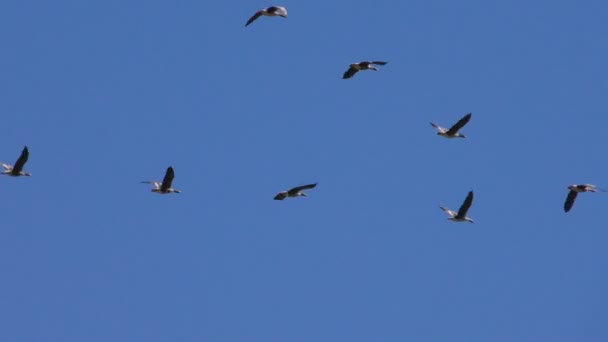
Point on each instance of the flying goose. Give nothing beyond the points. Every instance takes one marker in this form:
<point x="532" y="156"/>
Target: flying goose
<point x="295" y="192"/>
<point x="574" y="190"/>
<point x="271" y="11"/>
<point x="165" y="186"/>
<point x="366" y="65"/>
<point x="453" y="131"/>
<point x="461" y="215"/>
<point x="17" y="170"/>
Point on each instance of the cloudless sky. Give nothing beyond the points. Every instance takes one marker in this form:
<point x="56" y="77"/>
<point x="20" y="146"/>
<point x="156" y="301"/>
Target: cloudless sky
<point x="107" y="94"/>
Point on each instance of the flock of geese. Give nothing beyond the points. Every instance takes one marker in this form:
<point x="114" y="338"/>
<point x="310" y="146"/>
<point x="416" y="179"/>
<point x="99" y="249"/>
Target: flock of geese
<point x="166" y="187"/>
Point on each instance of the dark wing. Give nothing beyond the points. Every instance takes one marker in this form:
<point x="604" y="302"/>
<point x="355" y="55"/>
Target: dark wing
<point x="272" y="9"/>
<point x="253" y="18"/>
<point x="281" y="196"/>
<point x="462" y="212"/>
<point x="378" y="63"/>
<point x="570" y="200"/>
<point x="21" y="161"/>
<point x="349" y="73"/>
<point x="297" y="189"/>
<point x="454" y="129"/>
<point x="169" y="175"/>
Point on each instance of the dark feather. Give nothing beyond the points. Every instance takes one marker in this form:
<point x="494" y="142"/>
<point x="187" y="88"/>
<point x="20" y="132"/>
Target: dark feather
<point x="349" y="73"/>
<point x="454" y="129"/>
<point x="281" y="196"/>
<point x="297" y="189"/>
<point x="169" y="175"/>
<point x="462" y="212"/>
<point x="253" y="18"/>
<point x="18" y="167"/>
<point x="379" y="63"/>
<point x="570" y="200"/>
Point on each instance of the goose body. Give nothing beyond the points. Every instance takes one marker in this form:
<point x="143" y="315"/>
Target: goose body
<point x="164" y="187"/>
<point x="365" y="65"/>
<point x="294" y="192"/>
<point x="17" y="169"/>
<point x="453" y="131"/>
<point x="272" y="11"/>
<point x="574" y="190"/>
<point x="461" y="215"/>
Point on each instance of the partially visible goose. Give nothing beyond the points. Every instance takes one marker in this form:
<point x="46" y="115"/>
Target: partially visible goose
<point x="271" y="11"/>
<point x="17" y="169"/>
<point x="356" y="67"/>
<point x="453" y="131"/>
<point x="165" y="186"/>
<point x="294" y="192"/>
<point x="461" y="215"/>
<point x="574" y="190"/>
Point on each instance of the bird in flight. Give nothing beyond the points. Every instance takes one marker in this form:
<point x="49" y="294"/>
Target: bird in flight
<point x="461" y="215"/>
<point x="271" y="11"/>
<point x="17" y="169"/>
<point x="356" y="67"/>
<point x="165" y="186"/>
<point x="574" y="190"/>
<point x="453" y="131"/>
<point x="294" y="192"/>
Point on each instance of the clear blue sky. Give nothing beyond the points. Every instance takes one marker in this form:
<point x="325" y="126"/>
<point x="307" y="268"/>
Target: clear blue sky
<point x="109" y="93"/>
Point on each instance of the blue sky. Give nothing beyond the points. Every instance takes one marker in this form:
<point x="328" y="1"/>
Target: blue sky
<point x="107" y="94"/>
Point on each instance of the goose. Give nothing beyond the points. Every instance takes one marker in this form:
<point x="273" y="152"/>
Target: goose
<point x="294" y="192"/>
<point x="453" y="131"/>
<point x="165" y="186"/>
<point x="356" y="67"/>
<point x="17" y="169"/>
<point x="574" y="190"/>
<point x="271" y="11"/>
<point x="461" y="215"/>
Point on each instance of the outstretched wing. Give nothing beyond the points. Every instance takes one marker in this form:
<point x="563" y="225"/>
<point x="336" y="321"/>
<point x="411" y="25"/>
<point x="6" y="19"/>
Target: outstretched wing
<point x="570" y="200"/>
<point x="154" y="183"/>
<point x="349" y="73"/>
<point x="281" y="196"/>
<point x="297" y="189"/>
<point x="254" y="17"/>
<point x="439" y="128"/>
<point x="169" y="175"/>
<point x="454" y="129"/>
<point x="462" y="212"/>
<point x="452" y="213"/>
<point x="21" y="161"/>
<point x="378" y="63"/>
<point x="587" y="187"/>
